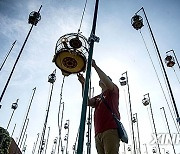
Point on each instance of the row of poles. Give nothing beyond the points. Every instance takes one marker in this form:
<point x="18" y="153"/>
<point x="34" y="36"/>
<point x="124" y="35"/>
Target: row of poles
<point x="123" y="81"/>
<point x="134" y="119"/>
<point x="43" y="145"/>
<point x="21" y="141"/>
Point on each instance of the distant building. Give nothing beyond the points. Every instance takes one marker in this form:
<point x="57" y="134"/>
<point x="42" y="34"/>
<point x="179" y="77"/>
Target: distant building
<point x="13" y="148"/>
<point x="7" y="144"/>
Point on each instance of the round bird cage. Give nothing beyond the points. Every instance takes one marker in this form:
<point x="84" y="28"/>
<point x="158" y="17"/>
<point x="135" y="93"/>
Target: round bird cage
<point x="14" y="106"/>
<point x="129" y="148"/>
<point x="70" y="53"/>
<point x="154" y="150"/>
<point x="34" y="17"/>
<point x="134" y="120"/>
<point x="145" y="101"/>
<point x="55" y="141"/>
<point x="66" y="126"/>
<point x="169" y="60"/>
<point x="137" y="22"/>
<point x="52" y="78"/>
<point x="122" y="81"/>
<point x="66" y="137"/>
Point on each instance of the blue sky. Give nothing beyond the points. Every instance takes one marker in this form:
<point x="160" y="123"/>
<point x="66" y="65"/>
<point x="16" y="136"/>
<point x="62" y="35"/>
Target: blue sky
<point x="120" y="49"/>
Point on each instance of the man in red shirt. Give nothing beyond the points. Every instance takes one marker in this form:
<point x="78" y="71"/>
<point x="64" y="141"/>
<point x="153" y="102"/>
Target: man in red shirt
<point x="106" y="134"/>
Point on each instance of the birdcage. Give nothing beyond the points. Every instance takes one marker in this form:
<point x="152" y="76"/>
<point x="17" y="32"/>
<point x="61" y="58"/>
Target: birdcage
<point x="70" y="53"/>
<point x="14" y="106"/>
<point x="34" y="17"/>
<point x="122" y="81"/>
<point x="137" y="22"/>
<point x="52" y="78"/>
<point x="145" y="101"/>
<point x="169" y="60"/>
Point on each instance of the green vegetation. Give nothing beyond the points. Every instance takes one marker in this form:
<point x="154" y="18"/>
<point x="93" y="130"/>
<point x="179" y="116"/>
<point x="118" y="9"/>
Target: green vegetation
<point x="5" y="141"/>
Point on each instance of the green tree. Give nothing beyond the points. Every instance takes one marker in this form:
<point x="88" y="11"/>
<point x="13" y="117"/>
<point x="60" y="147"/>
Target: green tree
<point x="5" y="141"/>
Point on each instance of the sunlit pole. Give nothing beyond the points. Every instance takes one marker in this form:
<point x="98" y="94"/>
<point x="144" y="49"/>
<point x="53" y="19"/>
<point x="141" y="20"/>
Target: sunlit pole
<point x="92" y="39"/>
<point x="51" y="80"/>
<point x="35" y="144"/>
<point x="7" y="56"/>
<point x="164" y="150"/>
<point x="89" y="123"/>
<point x="146" y="148"/>
<point x="135" y="120"/>
<point x="66" y="126"/>
<point x="124" y="148"/>
<point x="124" y="81"/>
<point x="168" y="129"/>
<point x="13" y="130"/>
<point x="137" y="24"/>
<point x="60" y="126"/>
<point x="34" y="90"/>
<point x="14" y="107"/>
<point x="24" y="145"/>
<point x="27" y="123"/>
<point x="34" y="17"/>
<point x="146" y="101"/>
<point x="74" y="145"/>
<point x="47" y="140"/>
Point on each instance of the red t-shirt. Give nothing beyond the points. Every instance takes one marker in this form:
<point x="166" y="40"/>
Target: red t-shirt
<point x="103" y="119"/>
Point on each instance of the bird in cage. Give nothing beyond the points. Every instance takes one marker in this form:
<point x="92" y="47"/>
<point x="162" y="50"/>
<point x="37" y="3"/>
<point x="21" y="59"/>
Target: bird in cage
<point x="75" y="43"/>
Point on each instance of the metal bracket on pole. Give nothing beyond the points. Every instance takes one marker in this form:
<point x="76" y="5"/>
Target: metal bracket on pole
<point x="94" y="38"/>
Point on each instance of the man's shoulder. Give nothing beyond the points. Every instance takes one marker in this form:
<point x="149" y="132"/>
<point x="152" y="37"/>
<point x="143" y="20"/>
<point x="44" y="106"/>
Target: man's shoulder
<point x="115" y="89"/>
